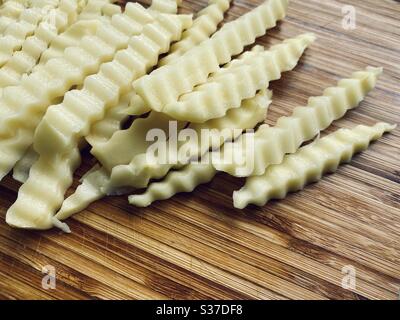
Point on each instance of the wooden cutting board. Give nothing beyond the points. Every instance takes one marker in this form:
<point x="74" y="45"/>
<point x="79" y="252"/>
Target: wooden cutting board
<point x="196" y="246"/>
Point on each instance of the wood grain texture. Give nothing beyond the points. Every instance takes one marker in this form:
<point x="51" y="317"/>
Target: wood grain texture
<point x="196" y="246"/>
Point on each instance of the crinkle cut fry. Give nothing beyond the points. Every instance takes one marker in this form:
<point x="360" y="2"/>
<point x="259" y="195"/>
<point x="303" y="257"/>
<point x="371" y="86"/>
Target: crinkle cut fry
<point x="43" y="192"/>
<point x="23" y="166"/>
<point x="142" y="169"/>
<point x="165" y="6"/>
<point x="22" y="107"/>
<point x="138" y="173"/>
<point x="304" y="124"/>
<point x="87" y="192"/>
<point x="93" y="185"/>
<point x="87" y="24"/>
<point x="24" y="60"/>
<point x="63" y="125"/>
<point x="70" y="38"/>
<point x="184" y="180"/>
<point x="104" y="128"/>
<point x="118" y="151"/>
<point x="10" y="12"/>
<point x="204" y="26"/>
<point x="97" y="93"/>
<point x="193" y="68"/>
<point x="16" y="33"/>
<point x="307" y="165"/>
<point x="214" y="98"/>
<point x="99" y="9"/>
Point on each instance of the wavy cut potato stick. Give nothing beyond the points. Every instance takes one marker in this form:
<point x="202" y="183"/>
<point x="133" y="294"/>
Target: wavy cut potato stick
<point x="94" y="184"/>
<point x="307" y="165"/>
<point x="212" y="99"/>
<point x="117" y="151"/>
<point x="165" y="6"/>
<point x="89" y="191"/>
<point x="43" y="192"/>
<point x="89" y="20"/>
<point x="22" y="107"/>
<point x="184" y="180"/>
<point x="205" y="24"/>
<point x="203" y="27"/>
<point x="22" y="167"/>
<point x="193" y="68"/>
<point x="24" y="60"/>
<point x="113" y="118"/>
<point x="139" y="172"/>
<point x="70" y="38"/>
<point x="81" y="107"/>
<point x="304" y="124"/>
<point x="142" y="169"/>
<point x="10" y="12"/>
<point x="16" y="33"/>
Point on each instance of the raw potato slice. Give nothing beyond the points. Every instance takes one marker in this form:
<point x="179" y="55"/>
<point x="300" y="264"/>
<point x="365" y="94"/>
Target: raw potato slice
<point x="166" y="6"/>
<point x="142" y="168"/>
<point x="37" y="202"/>
<point x="99" y="9"/>
<point x="63" y="125"/>
<point x="103" y="130"/>
<point x="22" y="167"/>
<point x="118" y="151"/>
<point x="94" y="184"/>
<point x="307" y="165"/>
<point x="89" y="21"/>
<point x="204" y="26"/>
<point x="214" y="98"/>
<point x="10" y="12"/>
<point x="127" y="144"/>
<point x="137" y="107"/>
<point x="184" y="180"/>
<point x="139" y="172"/>
<point x="124" y="145"/>
<point x="193" y="68"/>
<point x="16" y="33"/>
<point x="23" y="61"/>
<point x="87" y="192"/>
<point x="70" y="38"/>
<point x="43" y="192"/>
<point x="271" y="144"/>
<point x="22" y="107"/>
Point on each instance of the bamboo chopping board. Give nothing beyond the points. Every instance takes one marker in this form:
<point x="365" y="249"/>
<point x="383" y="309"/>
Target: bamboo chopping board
<point x="196" y="246"/>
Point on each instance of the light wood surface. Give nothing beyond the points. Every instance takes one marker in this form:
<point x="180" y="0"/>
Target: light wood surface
<point x="196" y="246"/>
